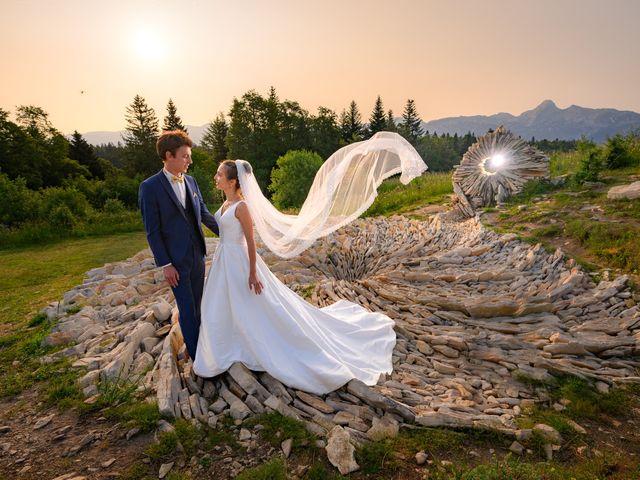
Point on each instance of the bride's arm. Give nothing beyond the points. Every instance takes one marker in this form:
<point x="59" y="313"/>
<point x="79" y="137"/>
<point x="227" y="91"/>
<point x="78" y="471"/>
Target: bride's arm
<point x="243" y="215"/>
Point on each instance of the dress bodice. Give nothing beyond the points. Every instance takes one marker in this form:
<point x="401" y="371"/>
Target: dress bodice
<point x="230" y="227"/>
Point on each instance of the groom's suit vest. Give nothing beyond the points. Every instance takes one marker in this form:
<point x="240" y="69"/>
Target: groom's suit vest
<point x="196" y="235"/>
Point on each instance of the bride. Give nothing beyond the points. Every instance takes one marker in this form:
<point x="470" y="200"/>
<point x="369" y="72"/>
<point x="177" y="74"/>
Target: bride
<point x="249" y="316"/>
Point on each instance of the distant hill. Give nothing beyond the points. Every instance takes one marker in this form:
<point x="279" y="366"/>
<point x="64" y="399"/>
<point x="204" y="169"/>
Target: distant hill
<point x="545" y="121"/>
<point x="98" y="138"/>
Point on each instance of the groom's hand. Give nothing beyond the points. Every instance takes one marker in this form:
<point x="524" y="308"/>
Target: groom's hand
<point x="171" y="275"/>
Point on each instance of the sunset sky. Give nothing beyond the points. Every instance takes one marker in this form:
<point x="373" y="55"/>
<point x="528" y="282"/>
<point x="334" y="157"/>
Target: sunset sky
<point x="453" y="57"/>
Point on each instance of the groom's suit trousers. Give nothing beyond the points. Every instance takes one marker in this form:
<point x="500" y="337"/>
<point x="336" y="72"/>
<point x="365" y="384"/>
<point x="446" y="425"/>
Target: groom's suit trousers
<point x="188" y="295"/>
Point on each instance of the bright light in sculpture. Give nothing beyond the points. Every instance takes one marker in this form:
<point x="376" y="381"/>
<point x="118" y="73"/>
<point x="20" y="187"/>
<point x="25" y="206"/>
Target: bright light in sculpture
<point x="497" y="161"/>
<point x="492" y="163"/>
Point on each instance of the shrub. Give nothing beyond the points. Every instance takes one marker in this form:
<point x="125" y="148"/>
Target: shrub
<point x="113" y="206"/>
<point x="61" y="216"/>
<point x="292" y="178"/>
<point x="19" y="204"/>
<point x="121" y="187"/>
<point x="621" y="152"/>
<point x="55" y="197"/>
<point x="590" y="162"/>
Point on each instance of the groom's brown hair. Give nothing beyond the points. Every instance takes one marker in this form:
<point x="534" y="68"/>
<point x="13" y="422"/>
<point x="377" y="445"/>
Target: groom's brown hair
<point x="170" y="141"/>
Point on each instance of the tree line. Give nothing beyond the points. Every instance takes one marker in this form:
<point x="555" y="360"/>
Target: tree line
<point x="262" y="129"/>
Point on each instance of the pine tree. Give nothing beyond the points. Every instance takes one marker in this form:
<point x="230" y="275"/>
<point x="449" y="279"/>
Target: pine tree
<point x="325" y="132"/>
<point x="172" y="121"/>
<point x="273" y="96"/>
<point x="391" y="122"/>
<point x="140" y="137"/>
<point x="82" y="152"/>
<point x="411" y="125"/>
<point x="377" y="121"/>
<point x="214" y="138"/>
<point x="351" y="127"/>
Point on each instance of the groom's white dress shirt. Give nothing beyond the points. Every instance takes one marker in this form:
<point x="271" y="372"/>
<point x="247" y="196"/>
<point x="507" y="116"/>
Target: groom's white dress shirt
<point x="178" y="188"/>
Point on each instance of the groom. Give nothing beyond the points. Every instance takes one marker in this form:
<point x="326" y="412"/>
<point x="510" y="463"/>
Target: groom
<point x="172" y="211"/>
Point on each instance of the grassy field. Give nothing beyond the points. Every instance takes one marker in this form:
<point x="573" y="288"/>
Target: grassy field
<point x="33" y="277"/>
<point x="395" y="198"/>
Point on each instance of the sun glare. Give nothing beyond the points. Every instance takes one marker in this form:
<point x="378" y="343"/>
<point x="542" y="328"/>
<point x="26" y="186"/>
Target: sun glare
<point x="148" y="45"/>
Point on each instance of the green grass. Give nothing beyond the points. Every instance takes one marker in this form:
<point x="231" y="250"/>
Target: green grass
<point x="615" y="243"/>
<point x="274" y="469"/>
<point x="512" y="468"/>
<point x="531" y="189"/>
<point x="552" y="230"/>
<point x="394" y="198"/>
<point x="429" y="439"/>
<point x="377" y="457"/>
<point x="143" y="415"/>
<point x="137" y="471"/>
<point x="117" y="391"/>
<point x="585" y="402"/>
<point x="164" y="448"/>
<point x="32" y="277"/>
<point x="190" y="437"/>
<point x="278" y="428"/>
<point x="318" y="471"/>
<point x="562" y="163"/>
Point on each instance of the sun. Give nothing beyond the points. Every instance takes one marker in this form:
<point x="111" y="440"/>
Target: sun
<point x="148" y="45"/>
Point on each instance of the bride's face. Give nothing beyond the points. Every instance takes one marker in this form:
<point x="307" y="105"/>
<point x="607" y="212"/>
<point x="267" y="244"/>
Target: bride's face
<point x="221" y="180"/>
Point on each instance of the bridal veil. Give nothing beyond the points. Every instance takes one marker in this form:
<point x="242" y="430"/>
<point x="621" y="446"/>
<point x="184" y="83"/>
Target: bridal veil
<point x="344" y="187"/>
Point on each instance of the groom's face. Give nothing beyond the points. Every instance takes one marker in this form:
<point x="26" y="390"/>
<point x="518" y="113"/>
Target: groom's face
<point x="179" y="163"/>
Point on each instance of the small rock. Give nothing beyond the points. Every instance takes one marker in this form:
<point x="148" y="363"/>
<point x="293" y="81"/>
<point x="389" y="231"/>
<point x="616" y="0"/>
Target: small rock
<point x="517" y="448"/>
<point x="164" y="469"/>
<point x="548" y="433"/>
<point x="421" y="457"/>
<point x="244" y="435"/>
<point x="576" y="426"/>
<point x="548" y="451"/>
<point x="212" y="421"/>
<point x="43" y="422"/>
<point x="286" y="447"/>
<point x="340" y="451"/>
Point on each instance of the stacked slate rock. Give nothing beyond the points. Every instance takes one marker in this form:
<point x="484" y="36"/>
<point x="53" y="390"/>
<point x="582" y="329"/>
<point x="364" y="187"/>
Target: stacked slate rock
<point x="475" y="313"/>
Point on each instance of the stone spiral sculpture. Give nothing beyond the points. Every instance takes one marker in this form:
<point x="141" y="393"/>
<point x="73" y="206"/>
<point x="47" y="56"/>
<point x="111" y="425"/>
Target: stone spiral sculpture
<point x="494" y="168"/>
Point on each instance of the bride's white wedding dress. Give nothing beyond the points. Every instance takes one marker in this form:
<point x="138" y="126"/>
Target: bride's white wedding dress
<point x="312" y="349"/>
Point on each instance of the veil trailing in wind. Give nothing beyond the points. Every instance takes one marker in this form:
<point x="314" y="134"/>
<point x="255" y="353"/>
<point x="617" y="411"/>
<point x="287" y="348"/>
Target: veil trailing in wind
<point x="344" y="187"/>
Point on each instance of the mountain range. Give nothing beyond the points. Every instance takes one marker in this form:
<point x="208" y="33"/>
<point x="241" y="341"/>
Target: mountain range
<point x="545" y="121"/>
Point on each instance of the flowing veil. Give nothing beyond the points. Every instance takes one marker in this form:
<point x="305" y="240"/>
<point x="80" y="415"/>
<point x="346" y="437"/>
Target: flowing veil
<point x="344" y="187"/>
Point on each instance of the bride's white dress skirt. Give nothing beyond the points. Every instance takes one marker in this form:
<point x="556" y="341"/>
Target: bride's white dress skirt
<point x="312" y="349"/>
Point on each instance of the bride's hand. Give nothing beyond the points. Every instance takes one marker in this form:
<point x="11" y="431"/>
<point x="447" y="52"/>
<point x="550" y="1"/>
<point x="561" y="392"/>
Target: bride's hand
<point x="255" y="284"/>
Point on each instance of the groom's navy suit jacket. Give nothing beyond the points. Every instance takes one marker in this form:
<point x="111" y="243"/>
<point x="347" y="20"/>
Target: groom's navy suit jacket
<point x="175" y="237"/>
<point x="169" y="230"/>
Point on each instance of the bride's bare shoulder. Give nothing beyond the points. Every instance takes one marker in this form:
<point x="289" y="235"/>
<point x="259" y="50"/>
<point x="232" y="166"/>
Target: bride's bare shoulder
<point x="242" y="210"/>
